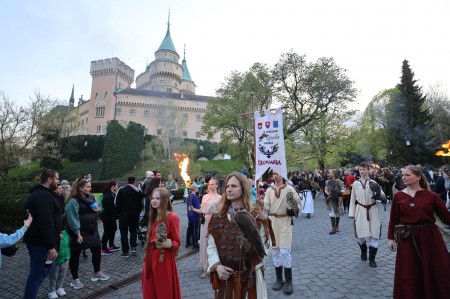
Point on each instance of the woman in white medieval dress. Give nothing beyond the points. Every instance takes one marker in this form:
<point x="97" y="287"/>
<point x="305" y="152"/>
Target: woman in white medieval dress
<point x="208" y="207"/>
<point x="305" y="188"/>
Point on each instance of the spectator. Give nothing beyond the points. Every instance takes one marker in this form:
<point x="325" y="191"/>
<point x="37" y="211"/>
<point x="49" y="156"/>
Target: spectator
<point x="128" y="207"/>
<point x="193" y="229"/>
<point x="66" y="189"/>
<point x="42" y="238"/>
<point x="172" y="186"/>
<point x="109" y="218"/>
<point x="81" y="212"/>
<point x="149" y="176"/>
<point x="10" y="240"/>
<point x="58" y="274"/>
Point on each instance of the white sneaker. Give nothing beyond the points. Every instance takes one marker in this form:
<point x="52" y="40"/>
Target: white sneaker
<point x="99" y="276"/>
<point x="76" y="284"/>
<point x="52" y="295"/>
<point x="61" y="292"/>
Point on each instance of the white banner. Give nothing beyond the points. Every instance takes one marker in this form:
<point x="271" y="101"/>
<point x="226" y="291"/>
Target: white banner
<point x="269" y="139"/>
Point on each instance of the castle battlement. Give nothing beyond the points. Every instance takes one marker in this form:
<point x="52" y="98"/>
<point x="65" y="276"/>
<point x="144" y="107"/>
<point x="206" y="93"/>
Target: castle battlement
<point x="109" y="66"/>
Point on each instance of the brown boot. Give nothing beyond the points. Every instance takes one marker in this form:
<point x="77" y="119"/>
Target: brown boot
<point x="333" y="225"/>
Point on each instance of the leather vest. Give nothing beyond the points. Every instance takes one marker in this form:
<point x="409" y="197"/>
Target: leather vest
<point x="225" y="235"/>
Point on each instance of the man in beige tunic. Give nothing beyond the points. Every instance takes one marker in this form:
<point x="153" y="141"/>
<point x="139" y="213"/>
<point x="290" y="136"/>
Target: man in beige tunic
<point x="282" y="202"/>
<point x="364" y="209"/>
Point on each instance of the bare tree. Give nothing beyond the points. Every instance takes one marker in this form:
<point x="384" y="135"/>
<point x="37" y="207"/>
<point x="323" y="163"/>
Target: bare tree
<point x="19" y="127"/>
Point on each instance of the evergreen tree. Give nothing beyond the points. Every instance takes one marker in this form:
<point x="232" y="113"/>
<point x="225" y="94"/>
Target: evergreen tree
<point x="410" y="119"/>
<point x="115" y="151"/>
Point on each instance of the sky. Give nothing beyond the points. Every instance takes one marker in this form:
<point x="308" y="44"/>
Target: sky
<point x="48" y="45"/>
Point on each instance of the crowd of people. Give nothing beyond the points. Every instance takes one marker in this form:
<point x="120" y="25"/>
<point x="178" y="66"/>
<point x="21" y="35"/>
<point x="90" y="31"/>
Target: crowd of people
<point x="237" y="231"/>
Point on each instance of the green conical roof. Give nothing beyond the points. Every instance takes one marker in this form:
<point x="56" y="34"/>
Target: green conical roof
<point x="167" y="43"/>
<point x="186" y="74"/>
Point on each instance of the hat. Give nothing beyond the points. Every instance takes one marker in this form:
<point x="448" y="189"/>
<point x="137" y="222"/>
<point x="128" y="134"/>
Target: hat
<point x="148" y="173"/>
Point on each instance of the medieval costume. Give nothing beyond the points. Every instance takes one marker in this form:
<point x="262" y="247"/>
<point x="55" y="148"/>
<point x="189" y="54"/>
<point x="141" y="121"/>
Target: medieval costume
<point x="305" y="190"/>
<point x="208" y="208"/>
<point x="364" y="208"/>
<point x="422" y="266"/>
<point x="276" y="203"/>
<point x="335" y="205"/>
<point x="224" y="248"/>
<point x="160" y="276"/>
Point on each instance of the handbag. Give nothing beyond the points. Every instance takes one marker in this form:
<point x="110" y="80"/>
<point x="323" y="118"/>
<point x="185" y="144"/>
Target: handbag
<point x="202" y="218"/>
<point x="10" y="250"/>
<point x="401" y="232"/>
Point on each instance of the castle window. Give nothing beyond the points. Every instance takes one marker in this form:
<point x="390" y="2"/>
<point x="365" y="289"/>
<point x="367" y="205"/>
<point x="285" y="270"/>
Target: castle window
<point x="119" y="111"/>
<point x="197" y="134"/>
<point x="198" y="118"/>
<point x="99" y="129"/>
<point x="96" y="95"/>
<point x="169" y="89"/>
<point x="159" y="132"/>
<point x="132" y="112"/>
<point x="100" y="111"/>
<point x="185" y="117"/>
<point x="184" y="133"/>
<point x="161" y="115"/>
<point x="106" y="94"/>
<point x="146" y="113"/>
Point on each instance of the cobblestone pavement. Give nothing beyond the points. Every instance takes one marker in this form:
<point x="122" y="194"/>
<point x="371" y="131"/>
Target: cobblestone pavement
<point x="324" y="266"/>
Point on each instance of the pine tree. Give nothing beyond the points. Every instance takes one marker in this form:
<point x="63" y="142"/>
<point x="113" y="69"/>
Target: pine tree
<point x="412" y="119"/>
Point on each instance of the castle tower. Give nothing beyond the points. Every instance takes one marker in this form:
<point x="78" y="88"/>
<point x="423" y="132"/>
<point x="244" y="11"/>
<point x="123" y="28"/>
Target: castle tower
<point x="108" y="75"/>
<point x="164" y="73"/>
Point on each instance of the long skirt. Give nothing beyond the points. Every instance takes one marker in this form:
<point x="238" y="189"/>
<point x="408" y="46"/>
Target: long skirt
<point x="307" y="202"/>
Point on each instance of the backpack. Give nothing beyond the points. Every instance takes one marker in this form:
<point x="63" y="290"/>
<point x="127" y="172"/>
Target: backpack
<point x="100" y="205"/>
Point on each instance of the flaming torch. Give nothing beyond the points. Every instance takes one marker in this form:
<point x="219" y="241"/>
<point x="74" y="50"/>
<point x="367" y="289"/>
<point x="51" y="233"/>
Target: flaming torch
<point x="183" y="162"/>
<point x="443" y="153"/>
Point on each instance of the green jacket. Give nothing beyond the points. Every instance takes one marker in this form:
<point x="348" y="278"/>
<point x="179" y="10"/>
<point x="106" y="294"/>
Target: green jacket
<point x="64" y="250"/>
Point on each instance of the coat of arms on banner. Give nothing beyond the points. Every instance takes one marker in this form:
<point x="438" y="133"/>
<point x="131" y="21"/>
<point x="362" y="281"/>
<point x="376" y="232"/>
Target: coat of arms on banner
<point x="270" y="152"/>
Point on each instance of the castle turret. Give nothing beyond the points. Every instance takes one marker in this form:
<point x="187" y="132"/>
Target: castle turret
<point x="72" y="98"/>
<point x="187" y="85"/>
<point x="164" y="73"/>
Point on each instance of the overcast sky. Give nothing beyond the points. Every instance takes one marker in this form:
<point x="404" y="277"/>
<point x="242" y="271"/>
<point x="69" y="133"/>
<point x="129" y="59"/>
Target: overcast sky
<point x="48" y="45"/>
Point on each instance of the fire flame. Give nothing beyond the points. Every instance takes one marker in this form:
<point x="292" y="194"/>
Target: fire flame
<point x="183" y="162"/>
<point x="443" y="153"/>
<point x="375" y="165"/>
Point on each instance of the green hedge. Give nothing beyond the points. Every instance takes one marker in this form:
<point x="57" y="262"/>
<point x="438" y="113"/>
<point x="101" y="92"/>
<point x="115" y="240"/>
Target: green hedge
<point x="12" y="201"/>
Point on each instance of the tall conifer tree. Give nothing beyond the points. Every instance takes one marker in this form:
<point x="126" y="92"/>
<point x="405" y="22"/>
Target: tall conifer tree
<point x="411" y="118"/>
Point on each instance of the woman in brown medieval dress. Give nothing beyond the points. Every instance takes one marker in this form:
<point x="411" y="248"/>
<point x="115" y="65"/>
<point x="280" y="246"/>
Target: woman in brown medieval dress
<point x="422" y="266"/>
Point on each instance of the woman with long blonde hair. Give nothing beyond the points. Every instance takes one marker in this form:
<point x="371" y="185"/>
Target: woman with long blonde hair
<point x="208" y="207"/>
<point x="160" y="275"/>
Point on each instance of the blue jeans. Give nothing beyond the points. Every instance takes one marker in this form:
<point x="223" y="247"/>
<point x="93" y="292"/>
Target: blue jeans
<point x="38" y="272"/>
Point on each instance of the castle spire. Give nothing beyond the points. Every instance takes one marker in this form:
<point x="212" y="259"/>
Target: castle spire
<point x="167" y="43"/>
<point x="72" y="97"/>
<point x="168" y="21"/>
<point x="186" y="74"/>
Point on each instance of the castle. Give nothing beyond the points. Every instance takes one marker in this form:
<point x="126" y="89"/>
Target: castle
<point x="164" y="100"/>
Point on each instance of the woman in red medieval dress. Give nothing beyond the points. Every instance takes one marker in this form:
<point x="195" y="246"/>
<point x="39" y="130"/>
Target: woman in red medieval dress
<point x="422" y="266"/>
<point x="160" y="275"/>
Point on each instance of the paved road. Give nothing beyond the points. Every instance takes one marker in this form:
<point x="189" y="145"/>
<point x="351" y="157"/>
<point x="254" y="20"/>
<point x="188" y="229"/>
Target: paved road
<point x="324" y="266"/>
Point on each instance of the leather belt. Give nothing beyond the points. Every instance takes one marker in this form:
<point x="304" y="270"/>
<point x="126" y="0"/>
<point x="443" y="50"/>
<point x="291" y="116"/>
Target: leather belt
<point x="366" y="206"/>
<point x="279" y="215"/>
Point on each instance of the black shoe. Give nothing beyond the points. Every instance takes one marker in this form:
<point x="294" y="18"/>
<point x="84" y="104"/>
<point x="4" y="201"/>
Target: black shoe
<point x="125" y="255"/>
<point x="196" y="247"/>
<point x="188" y="245"/>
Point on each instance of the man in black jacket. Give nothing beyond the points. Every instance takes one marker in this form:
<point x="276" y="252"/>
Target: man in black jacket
<point x="42" y="238"/>
<point x="129" y="206"/>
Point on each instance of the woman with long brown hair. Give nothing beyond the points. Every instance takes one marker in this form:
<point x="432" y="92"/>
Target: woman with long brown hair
<point x="159" y="275"/>
<point x="232" y="266"/>
<point x="422" y="265"/>
<point x="81" y="216"/>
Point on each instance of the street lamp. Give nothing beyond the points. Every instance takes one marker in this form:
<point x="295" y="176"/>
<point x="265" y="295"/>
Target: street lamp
<point x="408" y="144"/>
